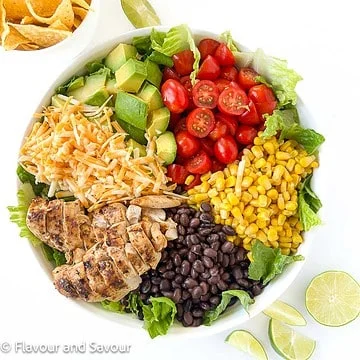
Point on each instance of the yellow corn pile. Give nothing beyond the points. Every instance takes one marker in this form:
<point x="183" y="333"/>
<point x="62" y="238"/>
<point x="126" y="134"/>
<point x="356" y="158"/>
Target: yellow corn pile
<point x="264" y="205"/>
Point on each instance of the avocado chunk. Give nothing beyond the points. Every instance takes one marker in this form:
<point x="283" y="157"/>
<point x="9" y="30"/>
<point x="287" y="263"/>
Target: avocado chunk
<point x="130" y="76"/>
<point x="158" y="121"/>
<point x="151" y="95"/>
<point x="119" y="56"/>
<point x="94" y="91"/>
<point x="131" y="143"/>
<point x="154" y="75"/>
<point x="57" y="102"/>
<point x="166" y="147"/>
<point x="131" y="109"/>
<point x="111" y="86"/>
<point x="76" y="83"/>
<point x="134" y="133"/>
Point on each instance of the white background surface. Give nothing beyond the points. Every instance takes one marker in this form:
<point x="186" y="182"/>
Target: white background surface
<point x="320" y="40"/>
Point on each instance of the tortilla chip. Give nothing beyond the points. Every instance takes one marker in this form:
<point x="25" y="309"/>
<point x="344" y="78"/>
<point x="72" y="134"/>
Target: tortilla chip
<point x="14" y="39"/>
<point x="17" y="9"/>
<point x="77" y="22"/>
<point x="28" y="47"/>
<point x="82" y="3"/>
<point x="64" y="13"/>
<point x="80" y="12"/>
<point x="59" y="26"/>
<point x="44" y="37"/>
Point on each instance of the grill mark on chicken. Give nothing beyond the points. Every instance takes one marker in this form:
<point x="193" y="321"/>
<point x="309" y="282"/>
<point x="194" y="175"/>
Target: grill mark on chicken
<point x="108" y="254"/>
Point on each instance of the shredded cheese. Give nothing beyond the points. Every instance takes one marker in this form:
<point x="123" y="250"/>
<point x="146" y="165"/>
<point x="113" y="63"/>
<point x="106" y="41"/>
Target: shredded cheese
<point x="89" y="158"/>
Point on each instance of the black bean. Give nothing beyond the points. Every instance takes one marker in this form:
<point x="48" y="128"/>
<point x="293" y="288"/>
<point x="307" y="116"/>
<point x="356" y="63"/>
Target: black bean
<point x="205" y="207"/>
<point x="181" y="230"/>
<point x="185" y="268"/>
<point x="197" y="322"/>
<point x="234" y="286"/>
<point x="183" y="252"/>
<point x="214" y="271"/>
<point x="205" y="275"/>
<point x="220" y="257"/>
<point x="212" y="238"/>
<point x="207" y="225"/>
<point x="213" y="289"/>
<point x="214" y="280"/>
<point x="194" y="223"/>
<point x="180" y="310"/>
<point x="184" y="220"/>
<point x="198" y="266"/>
<point x="192" y="257"/>
<point x="207" y="262"/>
<point x="232" y="260"/>
<point x="188" y="304"/>
<point x="190" y="230"/>
<point x="196" y="292"/>
<point x="215" y="300"/>
<point x="194" y="239"/>
<point x="204" y="231"/>
<point x="222" y="236"/>
<point x="217" y="228"/>
<point x="205" y="306"/>
<point x="175" y="285"/>
<point x="177" y="260"/>
<point x="246" y="273"/>
<point x="188" y="318"/>
<point x="244" y="264"/>
<point x="197" y="214"/>
<point x="256" y="290"/>
<point x="242" y="282"/>
<point x="210" y="253"/>
<point x="196" y="249"/>
<point x="177" y="295"/>
<point x="215" y="245"/>
<point x="168" y="294"/>
<point x="222" y="285"/>
<point x="237" y="272"/>
<point x="188" y="241"/>
<point x="225" y="261"/>
<point x="182" y="210"/>
<point x="227" y="247"/>
<point x="205" y="246"/>
<point x="185" y="295"/>
<point x="205" y="297"/>
<point x="198" y="313"/>
<point x="225" y="276"/>
<point x="228" y="230"/>
<point x="155" y="289"/>
<point x="164" y="255"/>
<point x="176" y="218"/>
<point x="181" y="238"/>
<point x="162" y="269"/>
<point x="165" y="285"/>
<point x="206" y="218"/>
<point x="204" y="287"/>
<point x="221" y="270"/>
<point x="190" y="283"/>
<point x="169" y="265"/>
<point x="145" y="287"/>
<point x="156" y="280"/>
<point x="193" y="273"/>
<point x="178" y="270"/>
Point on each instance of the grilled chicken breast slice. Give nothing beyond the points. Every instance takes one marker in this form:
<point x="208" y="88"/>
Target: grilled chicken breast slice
<point x="139" y="265"/>
<point x="157" y="238"/>
<point x="71" y="225"/>
<point x="36" y="218"/>
<point x="54" y="224"/>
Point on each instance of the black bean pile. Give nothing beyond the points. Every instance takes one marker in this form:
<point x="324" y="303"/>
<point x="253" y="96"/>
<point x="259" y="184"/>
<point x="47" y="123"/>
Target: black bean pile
<point x="198" y="266"/>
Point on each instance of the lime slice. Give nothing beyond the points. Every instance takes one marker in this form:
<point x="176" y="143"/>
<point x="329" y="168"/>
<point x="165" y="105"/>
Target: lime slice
<point x="333" y="298"/>
<point x="285" y="313"/>
<point x="140" y="13"/>
<point x="244" y="341"/>
<point x="288" y="343"/>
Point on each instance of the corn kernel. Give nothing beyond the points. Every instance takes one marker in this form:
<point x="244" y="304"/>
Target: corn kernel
<point x="286" y="145"/>
<point x="287" y="176"/>
<point x="281" y="219"/>
<point x="262" y="200"/>
<point x="264" y="181"/>
<point x="258" y="141"/>
<point x="281" y="155"/>
<point x="233" y="169"/>
<point x="189" y="179"/>
<point x="263" y="216"/>
<point x="222" y="195"/>
<point x="291" y="205"/>
<point x="260" y="163"/>
<point x="293" y="220"/>
<point x="213" y="193"/>
<point x="200" y="197"/>
<point x="274" y="244"/>
<point x="246" y="197"/>
<point x="289" y="233"/>
<point x="204" y="187"/>
<point x="236" y="213"/>
<point x="228" y="222"/>
<point x="250" y="257"/>
<point x="281" y="202"/>
<point x="306" y="161"/>
<point x="285" y="251"/>
<point x="285" y="239"/>
<point x="240" y="229"/>
<point x="220" y="184"/>
<point x="252" y="229"/>
<point x="284" y="245"/>
<point x="252" y="218"/>
<point x="231" y="238"/>
<point x="191" y="192"/>
<point x="314" y="164"/>
<point x="272" y="234"/>
<point x="241" y="206"/>
<point x="228" y="190"/>
<point x="298" y="169"/>
<point x="278" y="173"/>
<point x="230" y="181"/>
<point x="297" y="238"/>
<point x="235" y="222"/>
<point x="257" y="151"/>
<point x="272" y="194"/>
<point x="233" y="199"/>
<point x="288" y="212"/>
<point x="261" y="223"/>
<point x="224" y="214"/>
<point x="286" y="195"/>
<point x="271" y="160"/>
<point x="253" y="191"/>
<point x="290" y="164"/>
<point x="225" y="206"/>
<point x="261" y="236"/>
<point x="206" y="176"/>
<point x="269" y="148"/>
<point x="247" y="240"/>
<point x="226" y="172"/>
<point x="274" y="222"/>
<point x="248" y="211"/>
<point x="217" y="219"/>
<point x="247" y="181"/>
<point x="261" y="190"/>
<point x="247" y="247"/>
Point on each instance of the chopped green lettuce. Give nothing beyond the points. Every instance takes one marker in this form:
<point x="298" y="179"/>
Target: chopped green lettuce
<point x="134" y="303"/>
<point x="56" y="257"/>
<point x="74" y="83"/>
<point x="308" y="205"/>
<point x="287" y="121"/>
<point x="268" y="262"/>
<point x="161" y="59"/>
<point x="226" y="296"/>
<point x="114" y="306"/>
<point x="94" y="66"/>
<point x="229" y="41"/>
<point x="159" y="315"/>
<point x="142" y="44"/>
<point x="18" y="213"/>
<point x="25" y="177"/>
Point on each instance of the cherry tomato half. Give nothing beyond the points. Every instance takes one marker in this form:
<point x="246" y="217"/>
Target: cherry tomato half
<point x="230" y="121"/>
<point x="226" y="150"/>
<point x="169" y="73"/>
<point x="263" y="98"/>
<point x="217" y="166"/>
<point x="219" y="131"/>
<point x="245" y="134"/>
<point x="199" y="164"/>
<point x="233" y="101"/>
<point x="205" y="94"/>
<point x="250" y="117"/>
<point x="200" y="122"/>
<point x="175" y="96"/>
<point x="187" y="145"/>
<point x="177" y="173"/>
<point x="222" y="84"/>
<point x="247" y="78"/>
<point x="180" y="125"/>
<point x="207" y="145"/>
<point x="209" y="69"/>
<point x="229" y="73"/>
<point x="183" y="62"/>
<point x="224" y="55"/>
<point x="207" y="47"/>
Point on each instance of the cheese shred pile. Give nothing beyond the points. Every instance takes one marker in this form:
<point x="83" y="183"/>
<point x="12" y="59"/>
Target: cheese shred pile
<point x="90" y="158"/>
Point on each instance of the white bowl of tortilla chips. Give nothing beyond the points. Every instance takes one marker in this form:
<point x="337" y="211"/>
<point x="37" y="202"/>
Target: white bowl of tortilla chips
<point x="40" y="24"/>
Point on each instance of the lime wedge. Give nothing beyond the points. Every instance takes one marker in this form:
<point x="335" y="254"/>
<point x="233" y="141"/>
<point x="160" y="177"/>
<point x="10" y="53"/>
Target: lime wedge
<point x="140" y="13"/>
<point x="285" y="313"/>
<point x="333" y="298"/>
<point x="244" y="341"/>
<point x="288" y="343"/>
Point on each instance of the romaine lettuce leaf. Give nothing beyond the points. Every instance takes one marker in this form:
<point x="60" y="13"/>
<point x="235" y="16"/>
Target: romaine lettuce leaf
<point x="94" y="66"/>
<point x="114" y="306"/>
<point x="142" y="44"/>
<point x="25" y="177"/>
<point x="268" y="262"/>
<point x="56" y="257"/>
<point x="18" y="213"/>
<point x="161" y="59"/>
<point x="308" y="205"/>
<point x="279" y="120"/>
<point x="226" y="296"/>
<point x="72" y="84"/>
<point x="229" y="41"/>
<point x="159" y="315"/>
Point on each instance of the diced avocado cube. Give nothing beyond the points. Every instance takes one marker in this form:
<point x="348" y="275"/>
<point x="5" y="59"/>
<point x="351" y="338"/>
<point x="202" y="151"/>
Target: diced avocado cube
<point x="154" y="75"/>
<point x="158" y="121"/>
<point x="131" y="143"/>
<point x="151" y="95"/>
<point x="98" y="98"/>
<point x="119" y="56"/>
<point x="76" y="83"/>
<point x="131" y="109"/>
<point x="134" y="133"/>
<point x="166" y="147"/>
<point x="130" y="76"/>
<point x="57" y="102"/>
<point x="111" y="86"/>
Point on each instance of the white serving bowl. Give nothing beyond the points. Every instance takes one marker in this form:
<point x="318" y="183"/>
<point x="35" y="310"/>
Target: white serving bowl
<point x="235" y="315"/>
